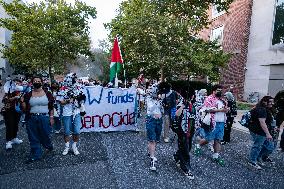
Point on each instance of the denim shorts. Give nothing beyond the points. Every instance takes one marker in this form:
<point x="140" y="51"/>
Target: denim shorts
<point x="71" y="124"/>
<point x="217" y="133"/>
<point x="154" y="128"/>
<point x="200" y="132"/>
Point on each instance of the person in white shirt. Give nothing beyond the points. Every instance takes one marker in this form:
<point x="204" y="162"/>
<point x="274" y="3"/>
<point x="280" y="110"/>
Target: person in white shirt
<point x="153" y="124"/>
<point x="72" y="99"/>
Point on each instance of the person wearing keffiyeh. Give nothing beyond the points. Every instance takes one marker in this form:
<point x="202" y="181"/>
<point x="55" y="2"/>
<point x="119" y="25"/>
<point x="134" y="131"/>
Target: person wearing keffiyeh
<point x="185" y="117"/>
<point x="200" y="98"/>
<point x="72" y="100"/>
<point x="217" y="108"/>
<point x="153" y="123"/>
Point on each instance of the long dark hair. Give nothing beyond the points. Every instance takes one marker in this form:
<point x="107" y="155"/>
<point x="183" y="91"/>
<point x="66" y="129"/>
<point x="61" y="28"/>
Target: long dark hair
<point x="264" y="100"/>
<point x="38" y="77"/>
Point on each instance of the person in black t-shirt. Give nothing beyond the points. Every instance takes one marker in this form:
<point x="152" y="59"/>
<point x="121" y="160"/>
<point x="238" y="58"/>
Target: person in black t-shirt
<point x="231" y="114"/>
<point x="169" y="99"/>
<point x="279" y="106"/>
<point x="260" y="130"/>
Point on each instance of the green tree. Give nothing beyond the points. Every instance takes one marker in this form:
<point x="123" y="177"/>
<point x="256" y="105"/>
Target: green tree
<point x="161" y="37"/>
<point x="47" y="35"/>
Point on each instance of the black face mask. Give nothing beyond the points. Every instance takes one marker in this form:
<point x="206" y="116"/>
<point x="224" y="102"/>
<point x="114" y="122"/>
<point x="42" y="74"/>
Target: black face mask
<point x="218" y="94"/>
<point x="37" y="85"/>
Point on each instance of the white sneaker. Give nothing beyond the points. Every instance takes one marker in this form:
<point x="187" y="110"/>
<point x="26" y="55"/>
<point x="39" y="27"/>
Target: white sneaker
<point x="9" y="145"/>
<point x="65" y="151"/>
<point x="17" y="141"/>
<point x="189" y="175"/>
<point x="152" y="167"/>
<point x="166" y="140"/>
<point x="210" y="147"/>
<point x="75" y="150"/>
<point x="255" y="165"/>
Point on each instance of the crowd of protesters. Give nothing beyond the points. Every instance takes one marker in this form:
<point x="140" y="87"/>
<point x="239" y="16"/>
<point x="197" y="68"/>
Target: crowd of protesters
<point x="201" y="119"/>
<point x="41" y="105"/>
<point x="196" y="118"/>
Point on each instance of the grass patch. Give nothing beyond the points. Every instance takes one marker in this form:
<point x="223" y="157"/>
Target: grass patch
<point x="244" y="106"/>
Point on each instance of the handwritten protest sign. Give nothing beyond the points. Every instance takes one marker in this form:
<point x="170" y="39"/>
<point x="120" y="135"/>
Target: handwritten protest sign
<point x="109" y="109"/>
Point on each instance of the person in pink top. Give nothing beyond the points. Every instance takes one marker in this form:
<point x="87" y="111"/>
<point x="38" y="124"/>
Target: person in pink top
<point x="217" y="108"/>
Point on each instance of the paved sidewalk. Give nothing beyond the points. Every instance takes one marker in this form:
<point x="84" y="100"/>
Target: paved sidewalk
<point x="237" y="125"/>
<point x="119" y="160"/>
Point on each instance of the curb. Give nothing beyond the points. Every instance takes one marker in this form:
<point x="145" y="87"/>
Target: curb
<point x="241" y="129"/>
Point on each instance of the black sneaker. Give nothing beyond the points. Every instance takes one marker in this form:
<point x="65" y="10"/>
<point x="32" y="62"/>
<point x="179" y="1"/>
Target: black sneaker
<point x="189" y="175"/>
<point x="177" y="161"/>
<point x="268" y="160"/>
<point x="255" y="165"/>
<point x="31" y="160"/>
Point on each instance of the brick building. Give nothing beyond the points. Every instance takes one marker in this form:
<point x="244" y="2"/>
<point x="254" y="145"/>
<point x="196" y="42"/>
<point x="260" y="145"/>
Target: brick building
<point x="232" y="32"/>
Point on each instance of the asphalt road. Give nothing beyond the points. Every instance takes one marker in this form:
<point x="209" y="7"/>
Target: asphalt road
<point x="119" y="160"/>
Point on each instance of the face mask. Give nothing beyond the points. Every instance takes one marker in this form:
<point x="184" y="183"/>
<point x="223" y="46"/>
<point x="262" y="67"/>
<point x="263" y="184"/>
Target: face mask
<point x="19" y="88"/>
<point x="37" y="85"/>
<point x="218" y="94"/>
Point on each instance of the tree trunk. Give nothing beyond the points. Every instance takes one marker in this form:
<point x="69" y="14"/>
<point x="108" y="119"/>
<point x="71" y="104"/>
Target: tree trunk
<point x="51" y="76"/>
<point x="162" y="74"/>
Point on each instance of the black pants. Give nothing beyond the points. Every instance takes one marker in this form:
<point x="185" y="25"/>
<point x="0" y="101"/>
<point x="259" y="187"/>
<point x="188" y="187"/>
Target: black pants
<point x="228" y="128"/>
<point x="282" y="141"/>
<point x="11" y="118"/>
<point x="184" y="147"/>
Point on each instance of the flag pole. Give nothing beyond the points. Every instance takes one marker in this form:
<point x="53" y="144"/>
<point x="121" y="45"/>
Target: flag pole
<point x="124" y="75"/>
<point x="116" y="81"/>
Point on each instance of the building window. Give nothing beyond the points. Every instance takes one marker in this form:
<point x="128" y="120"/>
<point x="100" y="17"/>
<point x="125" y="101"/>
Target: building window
<point x="217" y="35"/>
<point x="278" y="33"/>
<point x="215" y="12"/>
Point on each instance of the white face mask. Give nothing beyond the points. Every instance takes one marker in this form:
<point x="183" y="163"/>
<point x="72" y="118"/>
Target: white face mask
<point x="19" y="88"/>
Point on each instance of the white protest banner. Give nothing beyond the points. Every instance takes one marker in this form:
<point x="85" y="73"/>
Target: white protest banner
<point x="109" y="109"/>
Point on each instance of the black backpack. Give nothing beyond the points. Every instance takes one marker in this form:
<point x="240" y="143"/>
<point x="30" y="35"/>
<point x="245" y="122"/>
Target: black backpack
<point x="176" y="124"/>
<point x="169" y="102"/>
<point x="234" y="109"/>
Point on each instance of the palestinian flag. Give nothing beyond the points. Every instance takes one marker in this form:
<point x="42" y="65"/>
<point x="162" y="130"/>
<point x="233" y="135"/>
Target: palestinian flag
<point x="116" y="61"/>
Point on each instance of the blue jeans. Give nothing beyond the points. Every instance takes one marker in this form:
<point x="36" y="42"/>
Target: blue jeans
<point x="261" y="147"/>
<point x="39" y="129"/>
<point x="72" y="123"/>
<point x="57" y="123"/>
